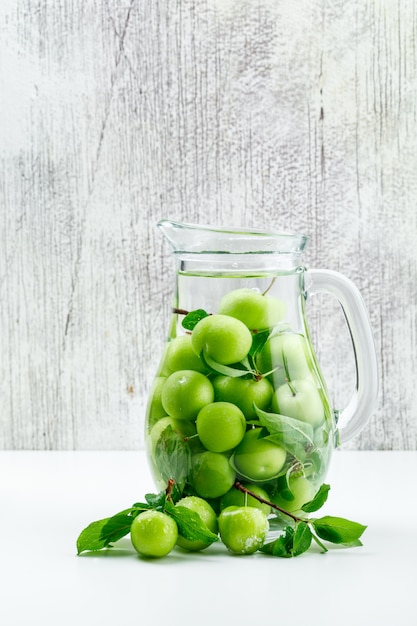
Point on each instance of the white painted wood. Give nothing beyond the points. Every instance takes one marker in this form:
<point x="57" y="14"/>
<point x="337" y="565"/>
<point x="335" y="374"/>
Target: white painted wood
<point x="297" y="115"/>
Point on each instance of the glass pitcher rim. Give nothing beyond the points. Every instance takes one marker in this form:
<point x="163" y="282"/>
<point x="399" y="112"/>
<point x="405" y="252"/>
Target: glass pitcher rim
<point x="232" y="239"/>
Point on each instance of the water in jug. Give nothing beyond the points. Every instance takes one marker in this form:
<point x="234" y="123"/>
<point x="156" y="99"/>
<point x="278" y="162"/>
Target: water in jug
<point x="239" y="397"/>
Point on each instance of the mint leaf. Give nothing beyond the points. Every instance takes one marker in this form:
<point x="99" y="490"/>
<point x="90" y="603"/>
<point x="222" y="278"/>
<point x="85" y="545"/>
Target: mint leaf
<point x="90" y="537"/>
<point x="282" y="546"/>
<point x="172" y="458"/>
<point x="237" y="371"/>
<point x="190" y="525"/>
<point x="293" y="435"/>
<point x="338" y="529"/>
<point x="292" y="543"/>
<point x="315" y="460"/>
<point x="192" y="318"/>
<point x="283" y="486"/>
<point x="102" y="533"/>
<point x="318" y="500"/>
<point x="156" y="500"/>
<point x="259" y="339"/>
<point x="302" y="539"/>
<point x="118" y="526"/>
<point x="319" y="543"/>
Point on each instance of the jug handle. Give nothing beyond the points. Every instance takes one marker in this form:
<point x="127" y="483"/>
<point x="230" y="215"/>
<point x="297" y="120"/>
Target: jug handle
<point x="365" y="395"/>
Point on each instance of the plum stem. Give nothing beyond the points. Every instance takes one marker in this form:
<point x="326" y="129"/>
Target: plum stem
<point x="287" y="373"/>
<point x="189" y="437"/>
<point x="269" y="286"/>
<point x="245" y="490"/>
<point x="170" y="487"/>
<point x="291" y="386"/>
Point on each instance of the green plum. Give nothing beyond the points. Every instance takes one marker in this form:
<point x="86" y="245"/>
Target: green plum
<point x="181" y="356"/>
<point x="220" y="426"/>
<point x="153" y="534"/>
<point x="286" y="355"/>
<point x="183" y="428"/>
<point x="235" y="497"/>
<point x="257" y="458"/>
<point x="185" y="392"/>
<point x="301" y="400"/>
<point x="207" y="515"/>
<point x="245" y="393"/>
<point x="222" y="338"/>
<point x="243" y="530"/>
<point x="155" y="410"/>
<point x="211" y="475"/>
<point x="302" y="490"/>
<point x="255" y="310"/>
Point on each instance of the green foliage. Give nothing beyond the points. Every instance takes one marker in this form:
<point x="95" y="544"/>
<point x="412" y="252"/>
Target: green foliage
<point x="189" y="524"/>
<point x="259" y="339"/>
<point x="282" y="546"/>
<point x="295" y="538"/>
<point x="319" y="499"/>
<point x="291" y="434"/>
<point x="237" y="370"/>
<point x="302" y="538"/>
<point x="339" y="530"/>
<point x="293" y="542"/>
<point x="172" y="457"/>
<point x="103" y="533"/>
<point x="192" y="318"/>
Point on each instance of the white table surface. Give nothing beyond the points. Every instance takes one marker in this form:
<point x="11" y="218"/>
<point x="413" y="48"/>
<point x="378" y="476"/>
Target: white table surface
<point x="47" y="498"/>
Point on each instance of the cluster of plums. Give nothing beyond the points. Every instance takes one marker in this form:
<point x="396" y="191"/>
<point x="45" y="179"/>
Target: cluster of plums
<point x="215" y="409"/>
<point x="243" y="529"/>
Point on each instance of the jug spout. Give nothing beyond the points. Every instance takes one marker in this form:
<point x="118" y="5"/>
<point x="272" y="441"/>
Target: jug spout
<point x="282" y="249"/>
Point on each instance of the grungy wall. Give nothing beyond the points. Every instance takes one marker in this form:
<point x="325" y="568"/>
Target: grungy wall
<point x="298" y="116"/>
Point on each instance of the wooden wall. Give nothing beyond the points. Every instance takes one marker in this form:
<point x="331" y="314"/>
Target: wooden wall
<point x="296" y="115"/>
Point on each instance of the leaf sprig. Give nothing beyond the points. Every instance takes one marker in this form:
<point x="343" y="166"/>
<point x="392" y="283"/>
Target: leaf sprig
<point x="104" y="533"/>
<point x="295" y="539"/>
<point x="298" y="536"/>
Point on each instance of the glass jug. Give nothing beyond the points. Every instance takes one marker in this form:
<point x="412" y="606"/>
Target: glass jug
<point x="239" y="397"/>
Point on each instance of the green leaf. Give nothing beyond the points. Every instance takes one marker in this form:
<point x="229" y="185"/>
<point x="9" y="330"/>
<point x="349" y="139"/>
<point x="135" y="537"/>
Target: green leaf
<point x="357" y="543"/>
<point x="259" y="339"/>
<point x="302" y="539"/>
<point x="193" y="317"/>
<point x="156" y="500"/>
<point x="90" y="537"/>
<point x="102" y="533"/>
<point x="319" y="542"/>
<point x="318" y="500"/>
<point x="293" y="542"/>
<point x="237" y="371"/>
<point x="142" y="506"/>
<point x="314" y="462"/>
<point x="338" y="529"/>
<point x="283" y="486"/>
<point x="321" y="436"/>
<point x="118" y="526"/>
<point x="282" y="546"/>
<point x="172" y="458"/>
<point x="190" y="525"/>
<point x="293" y="435"/>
